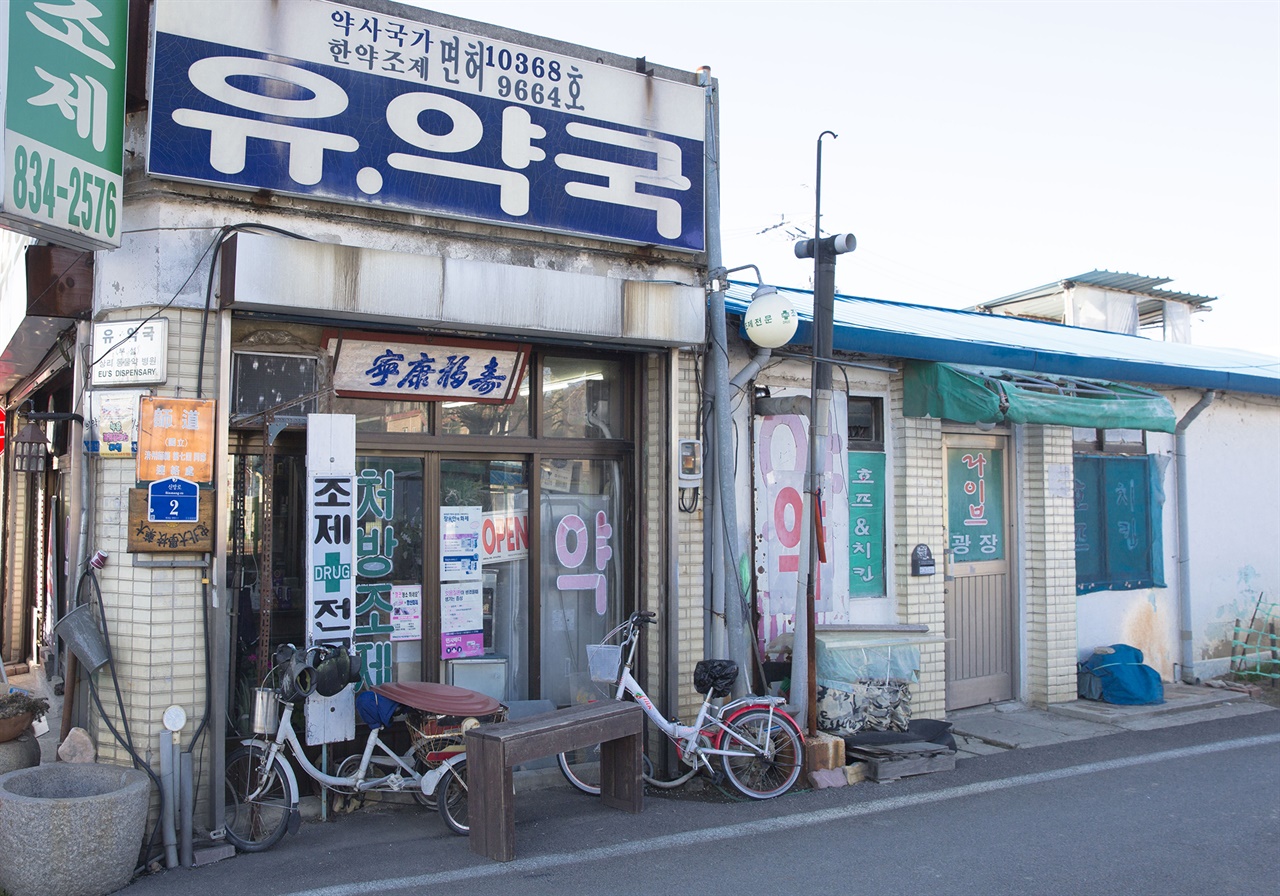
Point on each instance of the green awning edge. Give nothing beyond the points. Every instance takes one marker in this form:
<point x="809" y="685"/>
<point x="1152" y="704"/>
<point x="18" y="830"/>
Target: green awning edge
<point x="975" y="395"/>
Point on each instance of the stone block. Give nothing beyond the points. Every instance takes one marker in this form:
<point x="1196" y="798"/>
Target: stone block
<point x="823" y="751"/>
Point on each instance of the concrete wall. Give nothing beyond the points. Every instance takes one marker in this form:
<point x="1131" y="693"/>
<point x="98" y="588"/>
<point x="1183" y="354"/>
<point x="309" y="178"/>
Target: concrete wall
<point x="1234" y="527"/>
<point x="1234" y="504"/>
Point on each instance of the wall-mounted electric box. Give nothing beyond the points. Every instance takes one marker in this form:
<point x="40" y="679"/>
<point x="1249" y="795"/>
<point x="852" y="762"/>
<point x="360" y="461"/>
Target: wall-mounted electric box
<point x="690" y="461"/>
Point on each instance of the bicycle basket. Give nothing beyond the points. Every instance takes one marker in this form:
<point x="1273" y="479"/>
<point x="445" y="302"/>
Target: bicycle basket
<point x="603" y="661"/>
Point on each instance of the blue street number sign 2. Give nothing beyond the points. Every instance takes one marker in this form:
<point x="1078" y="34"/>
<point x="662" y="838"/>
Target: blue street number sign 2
<point x="173" y="500"/>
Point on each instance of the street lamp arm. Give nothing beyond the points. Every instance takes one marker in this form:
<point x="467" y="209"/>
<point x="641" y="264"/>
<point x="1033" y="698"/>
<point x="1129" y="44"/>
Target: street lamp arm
<point x="717" y="274"/>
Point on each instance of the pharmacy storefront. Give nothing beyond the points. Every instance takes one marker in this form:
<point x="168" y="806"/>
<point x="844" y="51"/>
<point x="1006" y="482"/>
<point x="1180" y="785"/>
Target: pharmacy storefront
<point x="431" y="287"/>
<point x="478" y="542"/>
<point x="433" y="419"/>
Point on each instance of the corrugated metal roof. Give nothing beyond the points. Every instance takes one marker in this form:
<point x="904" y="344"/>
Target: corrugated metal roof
<point x="1134" y="283"/>
<point x="896" y="330"/>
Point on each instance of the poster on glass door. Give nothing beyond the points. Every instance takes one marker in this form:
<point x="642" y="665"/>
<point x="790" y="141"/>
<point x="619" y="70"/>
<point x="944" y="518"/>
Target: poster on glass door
<point x="461" y="613"/>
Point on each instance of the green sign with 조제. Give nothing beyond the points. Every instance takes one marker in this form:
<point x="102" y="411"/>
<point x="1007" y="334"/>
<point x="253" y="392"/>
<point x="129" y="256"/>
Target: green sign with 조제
<point x="63" y="95"/>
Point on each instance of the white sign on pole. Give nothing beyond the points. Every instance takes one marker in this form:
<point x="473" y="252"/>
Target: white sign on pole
<point x="331" y="558"/>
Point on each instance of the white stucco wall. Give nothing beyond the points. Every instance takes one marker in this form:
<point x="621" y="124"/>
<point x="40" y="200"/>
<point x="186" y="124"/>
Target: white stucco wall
<point x="1234" y="495"/>
<point x="1234" y="551"/>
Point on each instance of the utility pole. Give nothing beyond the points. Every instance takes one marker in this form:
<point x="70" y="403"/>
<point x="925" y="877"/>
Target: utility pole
<point x="823" y="251"/>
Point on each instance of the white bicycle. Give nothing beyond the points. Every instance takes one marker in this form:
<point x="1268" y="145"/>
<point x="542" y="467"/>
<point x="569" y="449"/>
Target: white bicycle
<point x="759" y="746"/>
<point x="262" y="789"/>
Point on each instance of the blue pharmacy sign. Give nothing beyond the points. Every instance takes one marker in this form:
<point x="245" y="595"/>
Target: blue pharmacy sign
<point x="338" y="103"/>
<point x="173" y="500"/>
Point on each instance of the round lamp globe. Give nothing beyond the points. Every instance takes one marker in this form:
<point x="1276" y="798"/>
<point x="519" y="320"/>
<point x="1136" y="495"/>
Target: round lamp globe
<point x="770" y="321"/>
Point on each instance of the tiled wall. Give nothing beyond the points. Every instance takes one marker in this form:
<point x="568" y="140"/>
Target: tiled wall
<point x="1048" y="552"/>
<point x="920" y="518"/>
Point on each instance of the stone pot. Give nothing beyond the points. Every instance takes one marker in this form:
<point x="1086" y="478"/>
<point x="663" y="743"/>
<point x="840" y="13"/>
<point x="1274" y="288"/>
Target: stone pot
<point x="14" y="725"/>
<point x="71" y="828"/>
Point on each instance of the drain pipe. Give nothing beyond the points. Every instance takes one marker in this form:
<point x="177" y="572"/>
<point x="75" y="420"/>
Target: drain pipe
<point x="753" y="367"/>
<point x="1184" y="536"/>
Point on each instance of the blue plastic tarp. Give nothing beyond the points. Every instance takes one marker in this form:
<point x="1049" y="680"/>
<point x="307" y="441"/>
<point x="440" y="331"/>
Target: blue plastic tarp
<point x="1117" y="675"/>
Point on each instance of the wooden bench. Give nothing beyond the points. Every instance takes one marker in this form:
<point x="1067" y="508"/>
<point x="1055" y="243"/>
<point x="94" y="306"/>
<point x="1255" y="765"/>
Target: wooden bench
<point x="493" y="750"/>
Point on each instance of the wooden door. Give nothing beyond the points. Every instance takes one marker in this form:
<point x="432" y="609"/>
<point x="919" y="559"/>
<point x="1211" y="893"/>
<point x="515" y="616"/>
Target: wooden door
<point x="979" y="610"/>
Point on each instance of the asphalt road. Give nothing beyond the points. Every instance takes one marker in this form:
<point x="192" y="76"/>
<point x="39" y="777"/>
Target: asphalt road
<point x="1191" y="809"/>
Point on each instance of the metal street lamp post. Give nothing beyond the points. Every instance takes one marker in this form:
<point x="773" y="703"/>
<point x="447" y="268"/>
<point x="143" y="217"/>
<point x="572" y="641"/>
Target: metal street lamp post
<point x="823" y="251"/>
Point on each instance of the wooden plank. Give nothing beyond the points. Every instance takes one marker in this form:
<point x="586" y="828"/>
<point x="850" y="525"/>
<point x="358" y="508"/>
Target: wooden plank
<point x="187" y="538"/>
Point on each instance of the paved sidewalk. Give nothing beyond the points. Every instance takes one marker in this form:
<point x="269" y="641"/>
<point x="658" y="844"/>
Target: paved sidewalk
<point x="1010" y="726"/>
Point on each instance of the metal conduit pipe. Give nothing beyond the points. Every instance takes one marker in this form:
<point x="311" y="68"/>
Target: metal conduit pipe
<point x="746" y="374"/>
<point x="722" y="571"/>
<point x="1184" y="536"/>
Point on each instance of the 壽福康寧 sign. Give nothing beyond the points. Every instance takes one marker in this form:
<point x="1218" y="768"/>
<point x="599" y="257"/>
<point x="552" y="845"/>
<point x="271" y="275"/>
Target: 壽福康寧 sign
<point x="427" y="370"/>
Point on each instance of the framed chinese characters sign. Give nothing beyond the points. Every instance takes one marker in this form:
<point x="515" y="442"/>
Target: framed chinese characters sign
<point x="175" y="438"/>
<point x="369" y="366"/>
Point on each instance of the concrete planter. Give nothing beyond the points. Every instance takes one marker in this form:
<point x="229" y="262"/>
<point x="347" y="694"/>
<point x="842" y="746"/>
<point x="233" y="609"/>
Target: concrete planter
<point x="72" y="829"/>
<point x="22" y="751"/>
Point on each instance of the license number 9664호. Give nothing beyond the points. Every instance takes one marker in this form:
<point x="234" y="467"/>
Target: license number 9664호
<point x="83" y="200"/>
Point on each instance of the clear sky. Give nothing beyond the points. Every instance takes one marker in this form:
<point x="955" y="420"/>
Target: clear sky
<point x="984" y="147"/>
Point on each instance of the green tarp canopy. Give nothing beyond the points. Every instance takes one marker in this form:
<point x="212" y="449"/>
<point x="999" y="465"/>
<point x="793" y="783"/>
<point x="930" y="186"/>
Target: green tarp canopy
<point x="981" y="395"/>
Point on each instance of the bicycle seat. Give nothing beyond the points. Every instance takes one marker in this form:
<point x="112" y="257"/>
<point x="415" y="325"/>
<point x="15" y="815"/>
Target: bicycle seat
<point x="443" y="699"/>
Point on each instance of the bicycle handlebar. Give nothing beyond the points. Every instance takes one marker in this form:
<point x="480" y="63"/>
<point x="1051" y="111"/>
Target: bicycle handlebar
<point x="644" y="618"/>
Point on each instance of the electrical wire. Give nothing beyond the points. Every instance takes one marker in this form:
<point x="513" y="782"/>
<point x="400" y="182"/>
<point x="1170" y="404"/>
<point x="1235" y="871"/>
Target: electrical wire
<point x="126" y="740"/>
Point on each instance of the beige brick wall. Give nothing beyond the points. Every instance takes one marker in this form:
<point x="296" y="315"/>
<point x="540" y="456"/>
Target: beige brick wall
<point x="1048" y="559"/>
<point x="693" y="621"/>
<point x="920" y="518"/>
<point x="153" y="611"/>
<point x="18" y="533"/>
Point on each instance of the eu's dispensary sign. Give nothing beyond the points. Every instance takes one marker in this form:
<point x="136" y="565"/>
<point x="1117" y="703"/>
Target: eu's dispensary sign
<point x="62" y="89"/>
<point x="338" y="103"/>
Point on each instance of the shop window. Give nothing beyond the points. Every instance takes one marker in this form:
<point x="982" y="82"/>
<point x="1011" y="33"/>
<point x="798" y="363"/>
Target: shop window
<point x="473" y="418"/>
<point x="375" y="415"/>
<point x="262" y="382"/>
<point x="1109" y="441"/>
<point x="389" y="574"/>
<point x="866" y="423"/>
<point x="582" y="398"/>
<point x="1119" y="502"/>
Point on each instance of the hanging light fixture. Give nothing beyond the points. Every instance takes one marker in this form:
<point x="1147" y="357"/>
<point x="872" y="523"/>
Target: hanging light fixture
<point x="30" y="449"/>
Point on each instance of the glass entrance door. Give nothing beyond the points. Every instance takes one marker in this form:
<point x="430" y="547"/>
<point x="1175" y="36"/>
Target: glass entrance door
<point x="488" y="647"/>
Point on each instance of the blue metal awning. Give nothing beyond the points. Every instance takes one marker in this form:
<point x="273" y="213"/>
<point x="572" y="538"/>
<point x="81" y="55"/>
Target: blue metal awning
<point x="921" y="332"/>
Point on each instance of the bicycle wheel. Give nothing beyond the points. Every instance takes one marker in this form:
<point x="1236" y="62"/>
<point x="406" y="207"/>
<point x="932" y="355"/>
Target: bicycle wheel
<point x="582" y="768"/>
<point x="258" y="825"/>
<point x="771" y="774"/>
<point x="451" y="798"/>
